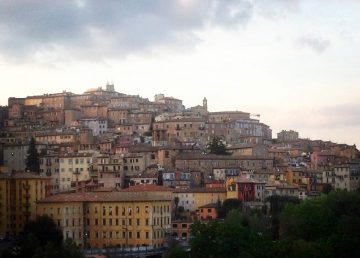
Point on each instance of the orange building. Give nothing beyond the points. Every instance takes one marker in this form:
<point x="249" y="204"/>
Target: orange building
<point x="208" y="211"/>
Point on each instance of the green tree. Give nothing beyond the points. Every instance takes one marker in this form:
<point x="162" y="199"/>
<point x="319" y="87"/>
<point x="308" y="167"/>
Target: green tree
<point x="44" y="230"/>
<point x="32" y="157"/>
<point x="176" y="251"/>
<point x="327" y="188"/>
<point x="43" y="239"/>
<point x="228" y="205"/>
<point x="330" y="223"/>
<point x="217" y="146"/>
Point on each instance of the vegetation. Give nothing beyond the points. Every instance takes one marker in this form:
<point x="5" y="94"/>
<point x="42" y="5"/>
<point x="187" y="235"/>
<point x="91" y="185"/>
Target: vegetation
<point x="32" y="157"/>
<point x="327" y="226"/>
<point x="40" y="239"/>
<point x="217" y="146"/>
<point x="227" y="206"/>
<point x="176" y="251"/>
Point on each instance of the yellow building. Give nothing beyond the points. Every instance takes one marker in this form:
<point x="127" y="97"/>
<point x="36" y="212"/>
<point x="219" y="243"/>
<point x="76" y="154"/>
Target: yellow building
<point x="19" y="192"/>
<point x="137" y="216"/>
<point x="191" y="199"/>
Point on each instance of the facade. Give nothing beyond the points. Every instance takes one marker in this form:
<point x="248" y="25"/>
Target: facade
<point x="74" y="168"/>
<point x="181" y="229"/>
<point x="136" y="217"/>
<point x="19" y="193"/>
<point x="192" y="199"/>
<point x="281" y="190"/>
<point x="288" y="136"/>
<point x="208" y="211"/>
<point x="206" y="163"/>
<point x="110" y="171"/>
<point x="97" y="125"/>
<point x="347" y="177"/>
<point x="50" y="166"/>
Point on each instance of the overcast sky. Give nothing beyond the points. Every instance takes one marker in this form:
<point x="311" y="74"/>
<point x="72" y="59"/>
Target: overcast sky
<point x="294" y="62"/>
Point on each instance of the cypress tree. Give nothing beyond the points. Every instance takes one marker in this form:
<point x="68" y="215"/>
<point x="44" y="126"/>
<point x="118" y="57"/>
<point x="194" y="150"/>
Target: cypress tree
<point x="32" y="157"/>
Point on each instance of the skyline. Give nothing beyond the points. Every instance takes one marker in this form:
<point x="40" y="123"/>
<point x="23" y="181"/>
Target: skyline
<point x="294" y="62"/>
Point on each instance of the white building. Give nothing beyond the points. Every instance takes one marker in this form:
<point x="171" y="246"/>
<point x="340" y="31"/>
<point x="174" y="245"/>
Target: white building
<point x="74" y="169"/>
<point x="347" y="177"/>
<point x="97" y="125"/>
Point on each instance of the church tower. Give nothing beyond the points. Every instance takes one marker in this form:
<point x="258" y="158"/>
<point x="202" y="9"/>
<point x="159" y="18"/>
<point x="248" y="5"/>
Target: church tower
<point x="205" y="106"/>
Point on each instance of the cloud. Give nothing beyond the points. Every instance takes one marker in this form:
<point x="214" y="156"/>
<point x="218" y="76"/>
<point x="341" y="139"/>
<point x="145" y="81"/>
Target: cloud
<point x="272" y="9"/>
<point x="115" y="28"/>
<point x="315" y="43"/>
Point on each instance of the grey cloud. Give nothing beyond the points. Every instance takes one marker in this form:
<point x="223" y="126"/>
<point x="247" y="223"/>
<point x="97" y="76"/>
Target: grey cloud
<point x="102" y="29"/>
<point x="232" y="12"/>
<point x="272" y="9"/>
<point x="316" y="43"/>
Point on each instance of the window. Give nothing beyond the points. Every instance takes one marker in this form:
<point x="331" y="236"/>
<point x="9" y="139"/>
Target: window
<point x="138" y="222"/>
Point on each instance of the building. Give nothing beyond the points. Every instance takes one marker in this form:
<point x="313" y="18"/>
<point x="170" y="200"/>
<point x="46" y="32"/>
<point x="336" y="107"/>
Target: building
<point x="50" y="166"/>
<point x="74" y="169"/>
<point x="206" y="163"/>
<point x="281" y="190"/>
<point x="19" y="193"/>
<point x="110" y="171"/>
<point x="137" y="216"/>
<point x="96" y="124"/>
<point x="347" y="177"/>
<point x="192" y="199"/>
<point x="15" y="154"/>
<point x="208" y="211"/>
<point x="288" y="136"/>
<point x="181" y="229"/>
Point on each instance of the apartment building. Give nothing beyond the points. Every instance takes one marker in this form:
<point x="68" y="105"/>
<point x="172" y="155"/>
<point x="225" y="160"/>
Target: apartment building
<point x="138" y="216"/>
<point x="74" y="168"/>
<point x="19" y="193"/>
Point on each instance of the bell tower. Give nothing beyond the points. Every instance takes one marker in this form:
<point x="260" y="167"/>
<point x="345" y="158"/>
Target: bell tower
<point x="205" y="104"/>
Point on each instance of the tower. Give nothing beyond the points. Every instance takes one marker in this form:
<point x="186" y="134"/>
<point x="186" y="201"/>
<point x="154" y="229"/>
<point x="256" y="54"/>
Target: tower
<point x="205" y="104"/>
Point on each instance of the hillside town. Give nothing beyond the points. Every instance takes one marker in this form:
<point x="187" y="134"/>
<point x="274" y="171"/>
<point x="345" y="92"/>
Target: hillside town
<point x="118" y="170"/>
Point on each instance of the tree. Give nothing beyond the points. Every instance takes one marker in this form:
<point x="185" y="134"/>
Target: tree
<point x="228" y="205"/>
<point x="32" y="157"/>
<point x="45" y="230"/>
<point x="176" y="251"/>
<point x="217" y="146"/>
<point x="327" y="188"/>
<point x="42" y="238"/>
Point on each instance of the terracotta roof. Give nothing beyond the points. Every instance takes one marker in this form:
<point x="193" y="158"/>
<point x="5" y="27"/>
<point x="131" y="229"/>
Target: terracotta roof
<point x="120" y="196"/>
<point x="201" y="190"/>
<point x="210" y="205"/>
<point x="147" y="188"/>
<point x="198" y="156"/>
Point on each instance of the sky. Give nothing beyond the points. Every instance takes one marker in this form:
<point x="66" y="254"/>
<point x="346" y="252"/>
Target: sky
<point x="294" y="62"/>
